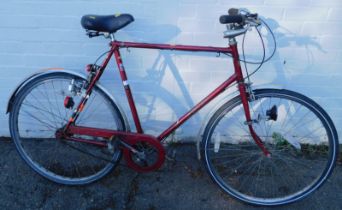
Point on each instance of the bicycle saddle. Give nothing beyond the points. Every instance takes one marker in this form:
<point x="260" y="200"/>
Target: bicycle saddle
<point x="106" y="23"/>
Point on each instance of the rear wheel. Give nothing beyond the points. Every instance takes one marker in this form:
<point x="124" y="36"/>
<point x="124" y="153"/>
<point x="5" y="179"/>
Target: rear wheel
<point x="296" y="131"/>
<point x="38" y="113"/>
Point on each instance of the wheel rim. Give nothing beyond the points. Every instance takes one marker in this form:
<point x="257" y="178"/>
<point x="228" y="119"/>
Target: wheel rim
<point x="41" y="113"/>
<point x="293" y="171"/>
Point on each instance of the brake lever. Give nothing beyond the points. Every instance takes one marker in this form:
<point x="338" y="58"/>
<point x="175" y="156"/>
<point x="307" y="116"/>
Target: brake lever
<point x="233" y="33"/>
<point x="253" y="20"/>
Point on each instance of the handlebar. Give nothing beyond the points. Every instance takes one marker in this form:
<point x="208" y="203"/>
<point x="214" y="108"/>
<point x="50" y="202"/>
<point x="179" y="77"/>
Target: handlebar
<point x="238" y="22"/>
<point x="240" y="17"/>
<point x="226" y="19"/>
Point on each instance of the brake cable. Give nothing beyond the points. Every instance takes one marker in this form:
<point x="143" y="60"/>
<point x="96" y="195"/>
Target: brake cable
<point x="264" y="60"/>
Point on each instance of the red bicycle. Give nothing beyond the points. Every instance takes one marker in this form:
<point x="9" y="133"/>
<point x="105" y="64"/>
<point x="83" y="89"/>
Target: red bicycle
<point x="263" y="147"/>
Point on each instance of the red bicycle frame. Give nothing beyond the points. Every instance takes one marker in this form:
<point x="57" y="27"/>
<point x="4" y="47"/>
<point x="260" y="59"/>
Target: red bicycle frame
<point x="237" y="76"/>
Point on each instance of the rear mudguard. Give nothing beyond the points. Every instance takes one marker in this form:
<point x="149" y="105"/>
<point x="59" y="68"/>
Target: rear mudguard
<point x="59" y="70"/>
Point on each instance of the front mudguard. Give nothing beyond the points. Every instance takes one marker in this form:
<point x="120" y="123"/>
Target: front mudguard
<point x="59" y="70"/>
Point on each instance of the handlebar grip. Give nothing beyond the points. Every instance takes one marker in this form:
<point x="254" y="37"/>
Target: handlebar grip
<point x="224" y="19"/>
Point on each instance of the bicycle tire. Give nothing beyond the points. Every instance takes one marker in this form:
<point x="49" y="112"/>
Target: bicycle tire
<point x="298" y="164"/>
<point x="38" y="112"/>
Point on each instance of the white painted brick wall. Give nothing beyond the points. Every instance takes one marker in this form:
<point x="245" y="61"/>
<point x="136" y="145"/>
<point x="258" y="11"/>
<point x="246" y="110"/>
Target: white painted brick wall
<point x="36" y="34"/>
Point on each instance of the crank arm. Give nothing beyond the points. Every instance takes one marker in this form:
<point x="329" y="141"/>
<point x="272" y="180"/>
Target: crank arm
<point x="129" y="147"/>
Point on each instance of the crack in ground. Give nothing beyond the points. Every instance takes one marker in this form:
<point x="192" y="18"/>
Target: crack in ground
<point x="133" y="189"/>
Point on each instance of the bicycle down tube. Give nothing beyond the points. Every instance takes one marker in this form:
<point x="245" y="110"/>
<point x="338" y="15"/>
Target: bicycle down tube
<point x="237" y="76"/>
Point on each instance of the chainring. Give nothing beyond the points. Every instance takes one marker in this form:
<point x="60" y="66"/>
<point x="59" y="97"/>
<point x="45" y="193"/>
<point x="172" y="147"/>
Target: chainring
<point x="151" y="154"/>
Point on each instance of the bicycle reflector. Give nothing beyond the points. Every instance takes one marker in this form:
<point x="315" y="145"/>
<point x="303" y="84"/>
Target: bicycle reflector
<point x="69" y="102"/>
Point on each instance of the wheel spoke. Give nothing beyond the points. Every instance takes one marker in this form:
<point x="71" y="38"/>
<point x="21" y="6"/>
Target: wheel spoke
<point x="38" y="113"/>
<point x="299" y="140"/>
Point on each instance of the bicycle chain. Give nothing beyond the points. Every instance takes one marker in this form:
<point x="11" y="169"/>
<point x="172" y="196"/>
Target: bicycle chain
<point x="95" y="156"/>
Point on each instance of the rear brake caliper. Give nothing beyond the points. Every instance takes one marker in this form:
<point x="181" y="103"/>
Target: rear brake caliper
<point x="78" y="88"/>
<point x="91" y="69"/>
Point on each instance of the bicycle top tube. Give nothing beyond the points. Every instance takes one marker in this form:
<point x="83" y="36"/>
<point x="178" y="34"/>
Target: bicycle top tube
<point x="192" y="48"/>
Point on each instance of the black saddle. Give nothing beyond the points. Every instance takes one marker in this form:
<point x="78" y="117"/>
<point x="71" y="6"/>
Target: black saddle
<point x="106" y="23"/>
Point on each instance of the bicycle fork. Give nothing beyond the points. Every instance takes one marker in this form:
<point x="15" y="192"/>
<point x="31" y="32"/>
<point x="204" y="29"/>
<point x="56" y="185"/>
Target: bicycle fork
<point x="244" y="96"/>
<point x="249" y="121"/>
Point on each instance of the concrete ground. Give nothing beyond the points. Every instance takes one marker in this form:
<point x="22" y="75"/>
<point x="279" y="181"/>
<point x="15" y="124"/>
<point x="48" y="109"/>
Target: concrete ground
<point x="182" y="183"/>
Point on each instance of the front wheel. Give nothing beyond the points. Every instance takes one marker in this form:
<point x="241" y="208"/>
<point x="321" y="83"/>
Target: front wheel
<point x="38" y="114"/>
<point x="296" y="131"/>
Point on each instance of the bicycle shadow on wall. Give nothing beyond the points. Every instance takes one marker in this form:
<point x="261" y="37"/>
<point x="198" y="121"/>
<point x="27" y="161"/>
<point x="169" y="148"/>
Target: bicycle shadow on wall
<point x="294" y="59"/>
<point x="161" y="105"/>
<point x="300" y="63"/>
<point x="307" y="70"/>
<point x="158" y="105"/>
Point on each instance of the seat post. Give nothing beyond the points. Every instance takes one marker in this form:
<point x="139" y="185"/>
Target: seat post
<point x="112" y="38"/>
